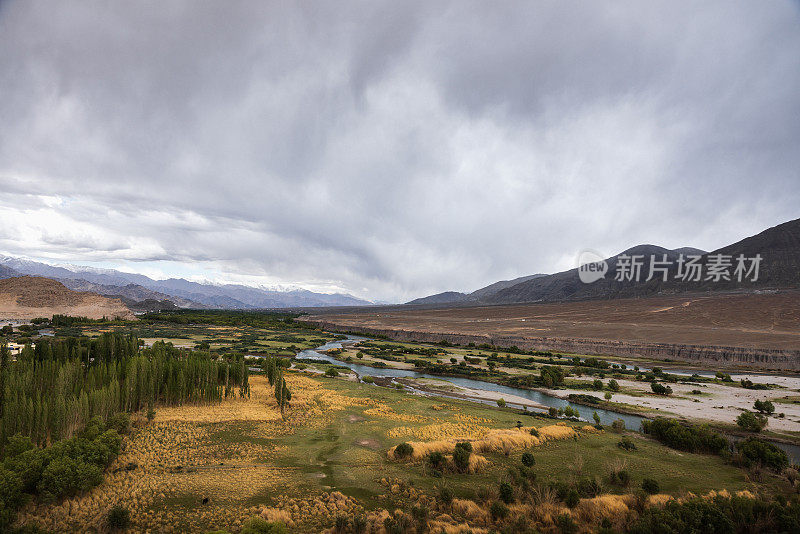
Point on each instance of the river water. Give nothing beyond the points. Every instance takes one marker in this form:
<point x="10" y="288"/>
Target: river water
<point x="632" y="422"/>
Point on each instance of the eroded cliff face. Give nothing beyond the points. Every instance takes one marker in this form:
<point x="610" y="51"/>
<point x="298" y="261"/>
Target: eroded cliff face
<point x="716" y="356"/>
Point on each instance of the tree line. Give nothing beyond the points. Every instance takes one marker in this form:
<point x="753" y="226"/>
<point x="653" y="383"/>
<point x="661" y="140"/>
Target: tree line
<point x="56" y="388"/>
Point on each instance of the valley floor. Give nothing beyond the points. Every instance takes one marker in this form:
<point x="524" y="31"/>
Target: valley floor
<point x="199" y="468"/>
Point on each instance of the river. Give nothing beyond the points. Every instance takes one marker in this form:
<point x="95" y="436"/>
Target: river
<point x="632" y="422"/>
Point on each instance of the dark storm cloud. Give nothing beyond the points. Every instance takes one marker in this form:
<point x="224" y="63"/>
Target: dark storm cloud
<point x="392" y="149"/>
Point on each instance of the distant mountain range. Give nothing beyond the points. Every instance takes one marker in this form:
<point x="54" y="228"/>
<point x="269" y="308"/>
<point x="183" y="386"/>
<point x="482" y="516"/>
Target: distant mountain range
<point x="133" y="288"/>
<point x="449" y="297"/>
<point x="779" y="248"/>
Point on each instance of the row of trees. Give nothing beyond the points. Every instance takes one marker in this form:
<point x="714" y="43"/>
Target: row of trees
<point x="52" y="391"/>
<point x="273" y="368"/>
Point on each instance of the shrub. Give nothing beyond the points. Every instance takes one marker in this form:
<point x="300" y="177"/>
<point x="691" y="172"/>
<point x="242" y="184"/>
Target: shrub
<point x="613" y="385"/>
<point x="565" y="524"/>
<point x="367" y="379"/>
<point x="461" y="458"/>
<point x="660" y="389"/>
<point x="403" y="450"/>
<point x="11" y="497"/>
<point x="118" y="518"/>
<point x="17" y="444"/>
<point x="331" y="372"/>
<point x="528" y="460"/>
<point x="436" y="460"/>
<point x="66" y="476"/>
<point x="764" y="406"/>
<point x="754" y="450"/>
<point x="620" y="478"/>
<point x="627" y="444"/>
<point x="650" y="485"/>
<point x="501" y="403"/>
<point x="751" y="422"/>
<point x="445" y="495"/>
<point x="498" y="510"/>
<point x="466" y="445"/>
<point x="686" y="437"/>
<point x="721" y="514"/>
<point x="535" y="432"/>
<point x="589" y="487"/>
<point x="618" y="426"/>
<point x="552" y="411"/>
<point x="572" y="499"/>
<point x="506" y="493"/>
<point x="597" y="385"/>
<point x="121" y="422"/>
<point x="257" y="525"/>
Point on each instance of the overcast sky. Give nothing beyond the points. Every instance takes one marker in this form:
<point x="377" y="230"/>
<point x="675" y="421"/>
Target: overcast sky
<point x="391" y="149"/>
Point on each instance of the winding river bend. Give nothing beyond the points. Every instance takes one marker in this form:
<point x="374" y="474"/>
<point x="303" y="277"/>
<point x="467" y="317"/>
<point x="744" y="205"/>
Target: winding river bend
<point x="632" y="422"/>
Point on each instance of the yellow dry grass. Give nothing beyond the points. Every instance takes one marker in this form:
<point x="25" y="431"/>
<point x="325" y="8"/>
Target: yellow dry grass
<point x="178" y="462"/>
<point x="493" y="440"/>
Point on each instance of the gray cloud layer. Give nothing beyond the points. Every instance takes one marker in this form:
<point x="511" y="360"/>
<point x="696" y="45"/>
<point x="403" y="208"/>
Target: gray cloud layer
<point x="393" y="149"/>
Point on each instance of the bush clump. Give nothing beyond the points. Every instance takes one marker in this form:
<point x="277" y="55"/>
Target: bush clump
<point x="528" y="460"/>
<point x="118" y="518"/>
<point x="650" y="485"/>
<point x="751" y="422"/>
<point x="403" y="450"/>
<point x="756" y="451"/>
<point x="686" y="437"/>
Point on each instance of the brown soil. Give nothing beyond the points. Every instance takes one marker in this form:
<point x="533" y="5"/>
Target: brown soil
<point x="28" y="297"/>
<point x="766" y="321"/>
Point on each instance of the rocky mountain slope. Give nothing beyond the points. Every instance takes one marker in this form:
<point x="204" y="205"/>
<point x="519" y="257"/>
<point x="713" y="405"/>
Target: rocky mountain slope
<point x="28" y="297"/>
<point x="779" y="248"/>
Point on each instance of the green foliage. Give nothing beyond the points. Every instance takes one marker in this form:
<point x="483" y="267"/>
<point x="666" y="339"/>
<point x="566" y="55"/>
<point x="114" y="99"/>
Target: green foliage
<point x="573" y="498"/>
<point x="332" y="372"/>
<point x="613" y="385"/>
<point x="565" y="524"/>
<point x="756" y="451"/>
<point x="501" y="403"/>
<point x="118" y="518"/>
<point x="403" y="450"/>
<point x="534" y="432"/>
<point x="65" y="476"/>
<point x="121" y="422"/>
<point x="686" y="437"/>
<point x="596" y="418"/>
<point x="751" y="422"/>
<point x="720" y="515"/>
<point x="257" y="525"/>
<point x="11" y="497"/>
<point x="436" y="460"/>
<point x="498" y="510"/>
<point x="764" y="406"/>
<point x="461" y="455"/>
<point x="56" y="388"/>
<point x="528" y="460"/>
<point x="650" y="485"/>
<point x="506" y="493"/>
<point x="626" y="444"/>
<point x="551" y="376"/>
<point x="597" y="385"/>
<point x="660" y="389"/>
<point x="445" y="495"/>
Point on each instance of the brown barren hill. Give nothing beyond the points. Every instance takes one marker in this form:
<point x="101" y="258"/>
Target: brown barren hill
<point x="28" y="297"/>
<point x="756" y="329"/>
